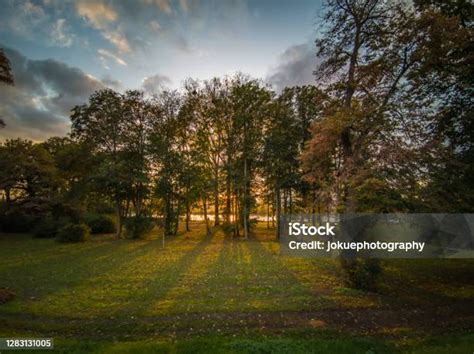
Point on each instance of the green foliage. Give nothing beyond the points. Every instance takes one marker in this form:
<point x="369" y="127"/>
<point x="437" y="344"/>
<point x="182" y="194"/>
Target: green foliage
<point x="362" y="274"/>
<point x="6" y="76"/>
<point x="375" y="195"/>
<point x="48" y="227"/>
<point x="27" y="170"/>
<point x="227" y="228"/>
<point x="100" y="224"/>
<point x="138" y="226"/>
<point x="73" y="233"/>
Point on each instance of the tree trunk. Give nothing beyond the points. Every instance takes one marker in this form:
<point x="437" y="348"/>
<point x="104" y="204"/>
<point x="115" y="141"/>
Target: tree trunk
<point x="273" y="215"/>
<point x="268" y="211"/>
<point x="7" y="197"/>
<point x="118" y="211"/>
<point x="346" y="133"/>
<point x="278" y="210"/>
<point x="204" y="204"/>
<point x="291" y="201"/>
<point x="216" y="197"/>
<point x="228" y="206"/>
<point x="245" y="211"/>
<point x="176" y="218"/>
<point x="237" y="215"/>
<point x="167" y="216"/>
<point x="187" y="215"/>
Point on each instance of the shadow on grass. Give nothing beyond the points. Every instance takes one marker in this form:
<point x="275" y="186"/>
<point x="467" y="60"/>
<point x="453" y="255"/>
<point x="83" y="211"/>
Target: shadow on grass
<point x="282" y="283"/>
<point x="39" y="251"/>
<point x="42" y="285"/>
<point x="440" y="281"/>
<point x="161" y="281"/>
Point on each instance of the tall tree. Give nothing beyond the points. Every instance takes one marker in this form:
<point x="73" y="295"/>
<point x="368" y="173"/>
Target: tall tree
<point x="166" y="157"/>
<point x="5" y="69"/>
<point x="368" y="50"/>
<point x="102" y="123"/>
<point x="251" y="105"/>
<point x="5" y="75"/>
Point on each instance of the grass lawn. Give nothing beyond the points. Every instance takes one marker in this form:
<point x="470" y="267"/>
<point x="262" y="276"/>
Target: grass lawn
<point x="215" y="294"/>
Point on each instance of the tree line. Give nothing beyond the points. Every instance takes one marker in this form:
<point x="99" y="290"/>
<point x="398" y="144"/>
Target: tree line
<point x="388" y="126"/>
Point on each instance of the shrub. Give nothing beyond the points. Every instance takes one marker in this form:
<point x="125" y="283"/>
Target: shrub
<point x="74" y="233"/>
<point x="98" y="206"/>
<point x="138" y="226"/>
<point x="228" y="229"/>
<point x="361" y="274"/>
<point x="16" y="221"/>
<point x="63" y="210"/>
<point x="48" y="228"/>
<point x="101" y="224"/>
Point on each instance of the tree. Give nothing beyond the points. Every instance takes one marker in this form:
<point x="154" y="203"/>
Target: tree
<point x="280" y="154"/>
<point x="70" y="157"/>
<point x="27" y="173"/>
<point x="287" y="131"/>
<point x="210" y="111"/>
<point x="5" y="69"/>
<point x="367" y="48"/>
<point x="462" y="9"/>
<point x="166" y="157"/>
<point x="443" y="87"/>
<point x="399" y="113"/>
<point x="5" y="75"/>
<point x="251" y="104"/>
<point x="102" y="123"/>
<point x="137" y="114"/>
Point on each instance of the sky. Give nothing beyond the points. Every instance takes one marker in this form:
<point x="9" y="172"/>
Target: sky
<point x="62" y="51"/>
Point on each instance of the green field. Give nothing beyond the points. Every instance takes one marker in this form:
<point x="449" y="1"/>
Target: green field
<point x="217" y="294"/>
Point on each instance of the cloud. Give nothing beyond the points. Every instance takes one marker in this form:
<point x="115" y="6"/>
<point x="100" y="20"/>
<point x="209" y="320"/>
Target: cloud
<point x="155" y="26"/>
<point x="112" y="83"/>
<point x="97" y="13"/>
<point x="181" y="43"/>
<point x="60" y="35"/>
<point x="163" y="5"/>
<point x="118" y="40"/>
<point x="33" y="22"/>
<point x="295" y="67"/>
<point x="104" y="54"/>
<point x="102" y="16"/>
<point x="155" y="83"/>
<point x="39" y="104"/>
<point x="28" y="16"/>
<point x="184" y="5"/>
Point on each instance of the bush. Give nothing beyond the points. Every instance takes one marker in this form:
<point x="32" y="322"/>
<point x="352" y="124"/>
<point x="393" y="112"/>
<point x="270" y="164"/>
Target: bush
<point x="138" y="226"/>
<point x="73" y="233"/>
<point x="362" y="274"/>
<point x="98" y="206"/>
<point x="101" y="224"/>
<point x="64" y="210"/>
<point x="228" y="229"/>
<point x="48" y="228"/>
<point x="16" y="221"/>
